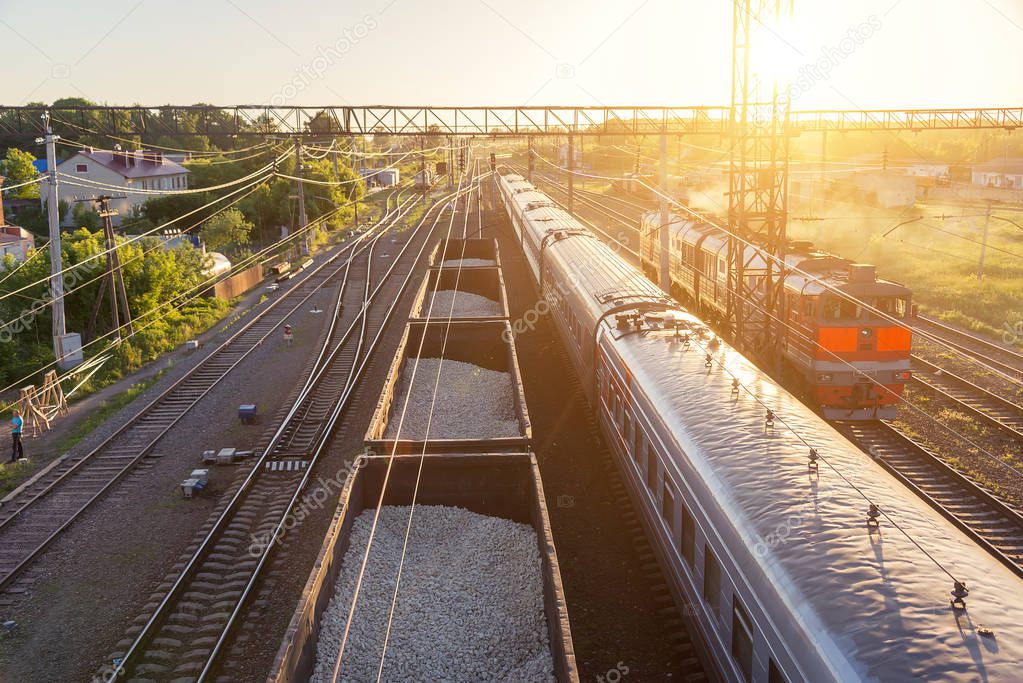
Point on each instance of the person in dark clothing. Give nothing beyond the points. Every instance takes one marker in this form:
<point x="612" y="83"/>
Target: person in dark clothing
<point x="17" y="450"/>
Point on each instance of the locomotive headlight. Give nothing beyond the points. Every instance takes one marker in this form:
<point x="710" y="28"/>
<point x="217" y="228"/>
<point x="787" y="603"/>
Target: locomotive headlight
<point x="904" y="375"/>
<point x="824" y="377"/>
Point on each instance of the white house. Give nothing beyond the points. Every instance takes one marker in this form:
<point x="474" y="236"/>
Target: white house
<point x="1006" y="173"/>
<point x="139" y="170"/>
<point x="13" y="240"/>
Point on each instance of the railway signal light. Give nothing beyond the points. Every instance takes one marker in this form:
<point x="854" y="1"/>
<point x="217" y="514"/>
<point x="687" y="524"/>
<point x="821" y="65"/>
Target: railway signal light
<point x="493" y="161"/>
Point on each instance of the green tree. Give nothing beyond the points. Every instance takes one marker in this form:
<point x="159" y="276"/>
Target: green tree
<point x="227" y="231"/>
<point x="17" y="168"/>
<point x="85" y="216"/>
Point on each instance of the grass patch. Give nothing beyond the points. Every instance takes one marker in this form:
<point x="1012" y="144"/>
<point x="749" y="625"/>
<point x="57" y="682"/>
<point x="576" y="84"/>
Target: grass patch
<point x="104" y="411"/>
<point x="936" y="258"/>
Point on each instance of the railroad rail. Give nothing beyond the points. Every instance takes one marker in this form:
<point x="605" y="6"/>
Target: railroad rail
<point x="994" y="525"/>
<point x="993" y="409"/>
<point x="997" y="356"/>
<point x="223" y="571"/>
<point x="41" y="512"/>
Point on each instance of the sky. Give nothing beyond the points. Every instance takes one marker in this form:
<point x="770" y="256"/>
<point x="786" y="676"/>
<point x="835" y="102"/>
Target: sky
<point x="829" y="54"/>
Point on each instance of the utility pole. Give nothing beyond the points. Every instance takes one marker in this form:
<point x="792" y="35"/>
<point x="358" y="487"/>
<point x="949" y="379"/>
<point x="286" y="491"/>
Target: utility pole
<point x="983" y="243"/>
<point x="451" y="164"/>
<point x="665" y="279"/>
<point x="115" y="276"/>
<point x="530" y="162"/>
<point x="64" y="345"/>
<point x="422" y="167"/>
<point x="302" y="219"/>
<point x="357" y="173"/>
<point x="571" y="174"/>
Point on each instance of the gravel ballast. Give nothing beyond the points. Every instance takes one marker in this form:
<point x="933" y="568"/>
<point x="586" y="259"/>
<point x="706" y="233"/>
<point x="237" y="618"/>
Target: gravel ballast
<point x="471" y="403"/>
<point x="469" y="607"/>
<point x="458" y="304"/>
<point x="467" y="262"/>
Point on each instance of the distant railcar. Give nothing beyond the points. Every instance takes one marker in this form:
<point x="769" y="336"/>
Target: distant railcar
<point x="776" y="567"/>
<point x="854" y="361"/>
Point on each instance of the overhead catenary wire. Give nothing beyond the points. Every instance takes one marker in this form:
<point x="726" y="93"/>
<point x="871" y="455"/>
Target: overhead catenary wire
<point x="135" y="238"/>
<point x="43" y="303"/>
<point x="780" y="262"/>
<point x="34" y="181"/>
<point x="190" y="295"/>
<point x="90" y="131"/>
<point x="365" y="559"/>
<point x="429" y="421"/>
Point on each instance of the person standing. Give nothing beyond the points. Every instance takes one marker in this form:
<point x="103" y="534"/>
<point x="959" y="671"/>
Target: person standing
<point x="17" y="450"/>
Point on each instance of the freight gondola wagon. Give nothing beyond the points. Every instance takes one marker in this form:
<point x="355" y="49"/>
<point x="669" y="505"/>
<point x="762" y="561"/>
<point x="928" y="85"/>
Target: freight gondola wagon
<point x="476" y="403"/>
<point x="466" y="253"/>
<point x="527" y="635"/>
<point x="467" y="293"/>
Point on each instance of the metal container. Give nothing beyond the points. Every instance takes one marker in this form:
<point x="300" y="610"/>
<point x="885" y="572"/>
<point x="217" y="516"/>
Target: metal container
<point x="472" y="248"/>
<point x="500" y="485"/>
<point x="486" y="343"/>
<point x="485" y="282"/>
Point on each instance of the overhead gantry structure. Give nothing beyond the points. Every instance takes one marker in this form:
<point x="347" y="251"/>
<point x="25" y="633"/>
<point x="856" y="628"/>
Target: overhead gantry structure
<point x="21" y="122"/>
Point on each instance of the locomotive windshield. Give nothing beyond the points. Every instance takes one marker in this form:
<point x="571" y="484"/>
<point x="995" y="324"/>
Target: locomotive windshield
<point x="839" y="308"/>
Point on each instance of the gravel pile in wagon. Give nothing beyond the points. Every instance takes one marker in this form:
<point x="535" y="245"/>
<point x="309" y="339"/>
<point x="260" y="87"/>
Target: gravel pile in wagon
<point x="472" y="402"/>
<point x="469" y="607"/>
<point x="467" y="262"/>
<point x="458" y="304"/>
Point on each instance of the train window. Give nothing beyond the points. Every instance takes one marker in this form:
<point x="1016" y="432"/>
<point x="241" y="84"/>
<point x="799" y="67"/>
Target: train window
<point x="651" y="470"/>
<point x="637" y="446"/>
<point x="711" y="580"/>
<point x="668" y="501"/>
<point x="721" y="266"/>
<point x="688" y="537"/>
<point x="627" y="427"/>
<point x="742" y="639"/>
<point x="895" y="306"/>
<point x="808" y="308"/>
<point x="774" y="674"/>
<point x="835" y="308"/>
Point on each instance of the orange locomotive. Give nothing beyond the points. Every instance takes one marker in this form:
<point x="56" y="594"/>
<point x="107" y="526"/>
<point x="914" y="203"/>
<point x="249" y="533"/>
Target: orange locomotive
<point x="842" y="334"/>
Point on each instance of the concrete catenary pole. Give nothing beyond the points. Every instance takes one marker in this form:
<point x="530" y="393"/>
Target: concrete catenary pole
<point x="302" y="219"/>
<point x="355" y="168"/>
<point x="56" y="262"/>
<point x="571" y="174"/>
<point x="665" y="277"/>
<point x="983" y="243"/>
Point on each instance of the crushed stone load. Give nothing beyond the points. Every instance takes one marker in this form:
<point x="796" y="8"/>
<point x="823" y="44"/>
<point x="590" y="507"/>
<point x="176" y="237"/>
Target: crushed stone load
<point x="469" y="607"/>
<point x="467" y="262"/>
<point x="472" y="402"/>
<point x="458" y="304"/>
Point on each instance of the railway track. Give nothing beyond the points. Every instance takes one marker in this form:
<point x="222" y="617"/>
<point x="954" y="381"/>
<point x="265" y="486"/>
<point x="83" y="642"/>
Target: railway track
<point x="978" y="512"/>
<point x="190" y="625"/>
<point x="40" y="512"/>
<point x="628" y="242"/>
<point x="997" y="356"/>
<point x="995" y="410"/>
